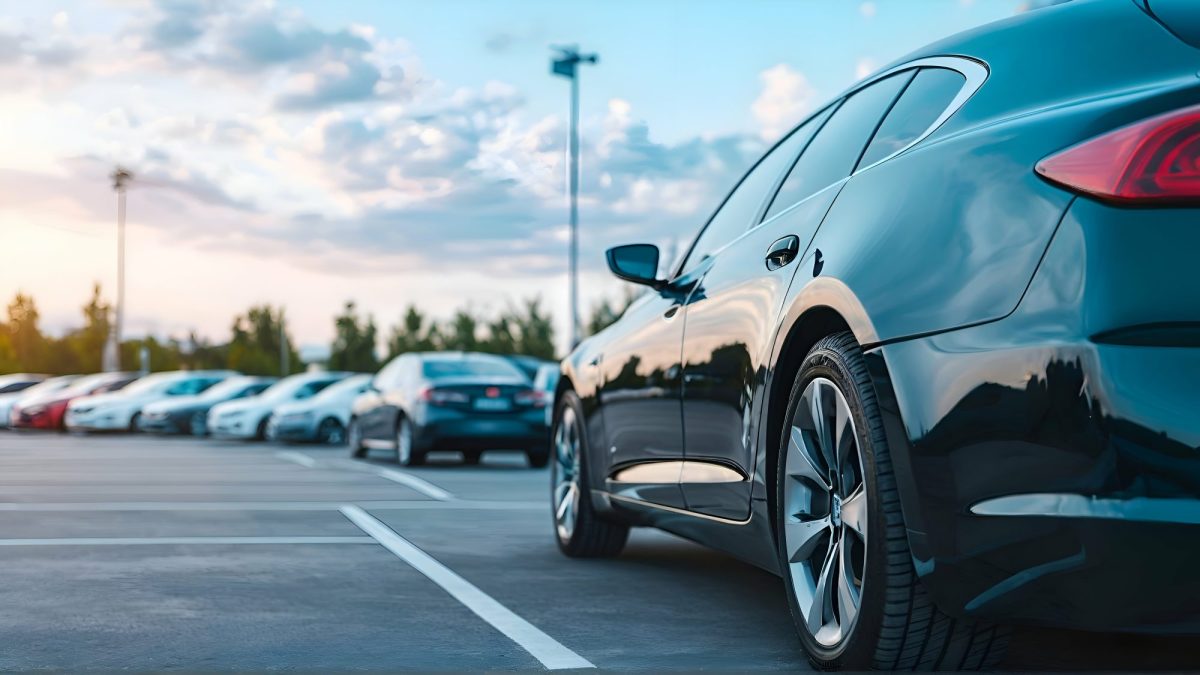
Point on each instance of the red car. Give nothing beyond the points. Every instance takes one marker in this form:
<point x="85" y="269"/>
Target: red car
<point x="45" y="411"/>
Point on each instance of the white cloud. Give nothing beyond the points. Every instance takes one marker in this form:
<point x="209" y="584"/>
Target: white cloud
<point x="786" y="97"/>
<point x="868" y="9"/>
<point x="864" y="66"/>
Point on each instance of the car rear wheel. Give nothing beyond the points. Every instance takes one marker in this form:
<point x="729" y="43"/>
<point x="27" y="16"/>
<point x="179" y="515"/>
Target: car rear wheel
<point x="196" y="425"/>
<point x="407" y="453"/>
<point x="330" y="432"/>
<point x="354" y="439"/>
<point x="854" y="595"/>
<point x="135" y="421"/>
<point x="579" y="530"/>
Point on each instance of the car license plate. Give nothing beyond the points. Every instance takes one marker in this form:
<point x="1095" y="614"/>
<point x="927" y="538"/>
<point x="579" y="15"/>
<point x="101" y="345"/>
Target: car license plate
<point x="493" y="404"/>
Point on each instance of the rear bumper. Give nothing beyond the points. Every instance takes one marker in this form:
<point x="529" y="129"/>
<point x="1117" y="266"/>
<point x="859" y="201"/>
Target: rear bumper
<point x="1050" y="474"/>
<point x="455" y="430"/>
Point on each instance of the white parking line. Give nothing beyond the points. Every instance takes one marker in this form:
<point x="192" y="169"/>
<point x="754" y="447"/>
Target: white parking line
<point x="416" y="504"/>
<point x="544" y="648"/>
<point x="419" y="484"/>
<point x="172" y="541"/>
<point x="297" y="457"/>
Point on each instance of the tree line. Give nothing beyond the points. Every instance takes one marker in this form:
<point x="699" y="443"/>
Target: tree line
<point x="254" y="343"/>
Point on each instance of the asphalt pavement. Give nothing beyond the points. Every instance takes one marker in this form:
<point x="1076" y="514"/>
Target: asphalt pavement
<point x="150" y="553"/>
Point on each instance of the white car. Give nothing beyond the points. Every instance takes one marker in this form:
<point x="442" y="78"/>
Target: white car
<point x="120" y="410"/>
<point x="322" y="418"/>
<point x="17" y="387"/>
<point x="247" y="418"/>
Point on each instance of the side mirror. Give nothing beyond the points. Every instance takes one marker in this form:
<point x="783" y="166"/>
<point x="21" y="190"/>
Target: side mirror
<point x="637" y="263"/>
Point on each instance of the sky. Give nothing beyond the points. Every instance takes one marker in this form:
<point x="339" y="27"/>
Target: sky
<point x="392" y="153"/>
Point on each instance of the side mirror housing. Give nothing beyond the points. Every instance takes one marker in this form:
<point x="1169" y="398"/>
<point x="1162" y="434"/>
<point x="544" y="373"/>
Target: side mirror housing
<point x="635" y="263"/>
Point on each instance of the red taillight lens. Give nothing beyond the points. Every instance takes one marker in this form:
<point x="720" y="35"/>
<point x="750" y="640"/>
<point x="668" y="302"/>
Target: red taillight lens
<point x="1153" y="161"/>
<point x="435" y="396"/>
<point x="534" y="398"/>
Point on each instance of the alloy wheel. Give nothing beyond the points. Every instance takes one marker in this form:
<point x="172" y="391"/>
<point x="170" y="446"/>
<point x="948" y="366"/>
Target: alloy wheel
<point x="566" y="474"/>
<point x="404" y="442"/>
<point x="825" y="512"/>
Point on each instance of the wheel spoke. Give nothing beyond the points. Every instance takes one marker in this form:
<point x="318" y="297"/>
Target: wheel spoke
<point x="822" y="592"/>
<point x="803" y="536"/>
<point x="847" y="592"/>
<point x="565" y="504"/>
<point x="844" y="442"/>
<point x="854" y="511"/>
<point x="800" y="463"/>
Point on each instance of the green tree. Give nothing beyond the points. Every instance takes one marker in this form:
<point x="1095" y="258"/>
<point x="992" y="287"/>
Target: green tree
<point x="462" y="333"/>
<point x="606" y="312"/>
<point x="25" y="338"/>
<point x="535" y="331"/>
<point x="354" y="346"/>
<point x="255" y="346"/>
<point x="412" y="334"/>
<point x="88" y="342"/>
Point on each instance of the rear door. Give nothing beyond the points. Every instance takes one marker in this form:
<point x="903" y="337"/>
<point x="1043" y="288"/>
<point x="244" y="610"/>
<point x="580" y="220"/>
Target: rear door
<point x="730" y="324"/>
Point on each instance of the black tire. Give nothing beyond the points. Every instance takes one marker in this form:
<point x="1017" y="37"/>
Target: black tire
<point x="260" y="433"/>
<point x="416" y="456"/>
<point x="472" y="457"/>
<point x="897" y="626"/>
<point x="538" y="459"/>
<point x="354" y="439"/>
<point x="330" y="432"/>
<point x="133" y="422"/>
<point x="591" y="536"/>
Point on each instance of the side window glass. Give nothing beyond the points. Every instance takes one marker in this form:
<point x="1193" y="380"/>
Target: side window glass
<point x="832" y="155"/>
<point x="926" y="97"/>
<point x="741" y="207"/>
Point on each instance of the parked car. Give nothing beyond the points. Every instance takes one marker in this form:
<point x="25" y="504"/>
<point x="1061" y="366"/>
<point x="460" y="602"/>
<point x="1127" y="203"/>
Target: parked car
<point x="17" y="382"/>
<point x="189" y="414"/>
<point x="545" y="380"/>
<point x="941" y="352"/>
<point x="45" y="387"/>
<point x="530" y="365"/>
<point x="48" y="410"/>
<point x="421" y="402"/>
<point x="322" y="418"/>
<point x="121" y="410"/>
<point x="247" y="418"/>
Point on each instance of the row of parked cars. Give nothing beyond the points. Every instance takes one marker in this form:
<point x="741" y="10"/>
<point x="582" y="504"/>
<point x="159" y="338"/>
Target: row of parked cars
<point x="415" y="404"/>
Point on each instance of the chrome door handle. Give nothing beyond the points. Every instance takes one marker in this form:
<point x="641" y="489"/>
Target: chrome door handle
<point x="782" y="252"/>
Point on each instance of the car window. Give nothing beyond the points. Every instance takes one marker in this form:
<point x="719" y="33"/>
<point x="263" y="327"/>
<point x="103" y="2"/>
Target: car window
<point x="186" y="387"/>
<point x="925" y="98"/>
<point x="742" y="205"/>
<point x="835" y="150"/>
<point x="471" y="367"/>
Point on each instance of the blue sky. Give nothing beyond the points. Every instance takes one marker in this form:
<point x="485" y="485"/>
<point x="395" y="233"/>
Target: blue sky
<point x="306" y="153"/>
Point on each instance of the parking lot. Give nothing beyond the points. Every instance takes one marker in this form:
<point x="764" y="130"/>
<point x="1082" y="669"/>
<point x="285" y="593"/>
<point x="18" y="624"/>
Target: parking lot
<point x="149" y="553"/>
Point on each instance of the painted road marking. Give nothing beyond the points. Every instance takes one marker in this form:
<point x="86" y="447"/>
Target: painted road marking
<point x="542" y="647"/>
<point x="297" y="457"/>
<point x="419" y="484"/>
<point x="173" y="541"/>
<point x="421" y="504"/>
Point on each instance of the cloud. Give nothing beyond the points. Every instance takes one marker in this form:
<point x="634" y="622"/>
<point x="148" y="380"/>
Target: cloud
<point x="786" y="97"/>
<point x="868" y="9"/>
<point x="864" y="66"/>
<point x="333" y="84"/>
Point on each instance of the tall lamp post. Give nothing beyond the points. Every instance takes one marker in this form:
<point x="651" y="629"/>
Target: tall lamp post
<point x="565" y="64"/>
<point x="112" y="351"/>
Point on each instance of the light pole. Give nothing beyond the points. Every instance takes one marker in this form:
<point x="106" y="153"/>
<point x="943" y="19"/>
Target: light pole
<point x="112" y="352"/>
<point x="565" y="64"/>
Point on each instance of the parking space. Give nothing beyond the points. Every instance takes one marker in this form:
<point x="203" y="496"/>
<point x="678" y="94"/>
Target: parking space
<point x="150" y="553"/>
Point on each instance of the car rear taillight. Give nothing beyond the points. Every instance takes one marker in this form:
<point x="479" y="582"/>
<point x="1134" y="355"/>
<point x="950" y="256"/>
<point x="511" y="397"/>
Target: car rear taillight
<point x="435" y="396"/>
<point x="1150" y="162"/>
<point x="534" y="398"/>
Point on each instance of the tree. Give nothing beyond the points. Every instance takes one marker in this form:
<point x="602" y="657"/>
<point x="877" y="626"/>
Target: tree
<point x="535" y="331"/>
<point x="607" y="312"/>
<point x="412" y="334"/>
<point x="25" y="338"/>
<point x="462" y="333"/>
<point x="255" y="346"/>
<point x="88" y="342"/>
<point x="354" y="345"/>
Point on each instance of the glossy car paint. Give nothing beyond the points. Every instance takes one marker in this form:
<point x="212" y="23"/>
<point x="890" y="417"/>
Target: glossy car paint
<point x="189" y="414"/>
<point x="1035" y="353"/>
<point x="47" y="412"/>
<point x="302" y="420"/>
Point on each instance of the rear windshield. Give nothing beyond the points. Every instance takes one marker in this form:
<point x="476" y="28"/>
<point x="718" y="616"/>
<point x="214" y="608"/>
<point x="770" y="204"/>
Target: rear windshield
<point x="469" y="368"/>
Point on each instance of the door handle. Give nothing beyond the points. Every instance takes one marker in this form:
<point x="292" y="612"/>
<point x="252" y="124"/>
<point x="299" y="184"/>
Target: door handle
<point x="782" y="252"/>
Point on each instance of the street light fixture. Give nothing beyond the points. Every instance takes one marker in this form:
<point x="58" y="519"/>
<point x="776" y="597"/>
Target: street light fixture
<point x="112" y="350"/>
<point x="566" y="65"/>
